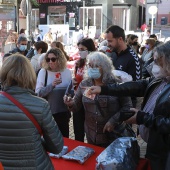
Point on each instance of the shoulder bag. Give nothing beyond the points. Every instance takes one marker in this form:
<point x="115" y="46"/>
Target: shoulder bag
<point x="21" y="107"/>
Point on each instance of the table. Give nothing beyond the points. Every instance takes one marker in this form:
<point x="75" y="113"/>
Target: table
<point x="90" y="164"/>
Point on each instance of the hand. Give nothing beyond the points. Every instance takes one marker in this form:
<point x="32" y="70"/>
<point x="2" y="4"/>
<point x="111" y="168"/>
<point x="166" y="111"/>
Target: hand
<point x="132" y="120"/>
<point x="56" y="81"/>
<point x="75" y="82"/>
<point x="108" y="127"/>
<point x="95" y="90"/>
<point x="68" y="100"/>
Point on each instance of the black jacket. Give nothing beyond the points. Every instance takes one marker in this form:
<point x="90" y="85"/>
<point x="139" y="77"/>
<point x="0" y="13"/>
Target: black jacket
<point x="129" y="62"/>
<point x="158" y="122"/>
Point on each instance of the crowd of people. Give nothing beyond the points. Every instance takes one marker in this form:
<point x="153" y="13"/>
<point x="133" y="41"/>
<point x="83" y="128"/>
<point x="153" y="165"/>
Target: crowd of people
<point x="40" y="80"/>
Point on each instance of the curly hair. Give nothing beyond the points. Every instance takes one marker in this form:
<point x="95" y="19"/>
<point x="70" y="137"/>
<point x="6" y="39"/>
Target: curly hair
<point x="60" y="59"/>
<point x="61" y="47"/>
<point x="102" y="60"/>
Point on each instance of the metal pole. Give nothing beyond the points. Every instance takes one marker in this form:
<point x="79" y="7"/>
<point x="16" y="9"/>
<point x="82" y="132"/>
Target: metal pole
<point x="17" y="16"/>
<point x="28" y="17"/>
<point x="152" y="25"/>
<point x="83" y="13"/>
<point x="28" y="23"/>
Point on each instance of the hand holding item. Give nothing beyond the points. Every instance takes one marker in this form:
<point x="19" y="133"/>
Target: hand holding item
<point x="88" y="94"/>
<point x="95" y="90"/>
<point x="132" y="120"/>
<point x="56" y="81"/>
<point x="108" y="127"/>
<point x="68" y="100"/>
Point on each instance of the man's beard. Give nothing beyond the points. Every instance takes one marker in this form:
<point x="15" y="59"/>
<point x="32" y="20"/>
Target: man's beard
<point x="114" y="49"/>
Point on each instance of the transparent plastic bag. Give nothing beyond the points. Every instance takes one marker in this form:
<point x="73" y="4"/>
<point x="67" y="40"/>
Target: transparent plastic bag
<point x="80" y="154"/>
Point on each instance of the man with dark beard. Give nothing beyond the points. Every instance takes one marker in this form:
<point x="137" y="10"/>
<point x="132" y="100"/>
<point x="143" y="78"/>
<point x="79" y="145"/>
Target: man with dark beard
<point x="125" y="59"/>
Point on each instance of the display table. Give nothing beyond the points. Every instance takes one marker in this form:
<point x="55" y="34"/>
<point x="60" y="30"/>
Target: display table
<point x="90" y="164"/>
<point x="61" y="164"/>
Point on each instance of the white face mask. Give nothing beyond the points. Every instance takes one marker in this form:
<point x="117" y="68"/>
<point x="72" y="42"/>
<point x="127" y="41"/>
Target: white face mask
<point x="83" y="54"/>
<point x="158" y="71"/>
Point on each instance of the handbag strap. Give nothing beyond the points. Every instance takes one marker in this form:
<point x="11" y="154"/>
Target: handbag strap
<point x="21" y="107"/>
<point x="46" y="76"/>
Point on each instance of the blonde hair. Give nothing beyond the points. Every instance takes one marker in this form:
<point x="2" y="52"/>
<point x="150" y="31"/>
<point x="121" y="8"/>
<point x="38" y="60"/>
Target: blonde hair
<point x="60" y="59"/>
<point x="61" y="47"/>
<point x="17" y="71"/>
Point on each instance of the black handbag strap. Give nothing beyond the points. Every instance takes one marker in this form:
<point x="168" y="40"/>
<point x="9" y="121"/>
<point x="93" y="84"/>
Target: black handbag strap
<point x="46" y="76"/>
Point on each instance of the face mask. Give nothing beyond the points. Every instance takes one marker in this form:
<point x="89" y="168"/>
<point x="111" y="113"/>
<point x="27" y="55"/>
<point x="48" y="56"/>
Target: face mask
<point x="35" y="52"/>
<point x="147" y="46"/>
<point x="135" y="43"/>
<point x="94" y="73"/>
<point x="83" y="54"/>
<point x="23" y="47"/>
<point x="158" y="71"/>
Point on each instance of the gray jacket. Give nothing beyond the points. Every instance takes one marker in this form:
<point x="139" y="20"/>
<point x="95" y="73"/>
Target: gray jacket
<point x="21" y="146"/>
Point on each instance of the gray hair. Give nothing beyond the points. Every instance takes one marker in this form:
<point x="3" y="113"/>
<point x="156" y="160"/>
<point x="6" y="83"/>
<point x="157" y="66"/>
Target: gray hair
<point x="163" y="51"/>
<point x="102" y="60"/>
<point x="21" y="38"/>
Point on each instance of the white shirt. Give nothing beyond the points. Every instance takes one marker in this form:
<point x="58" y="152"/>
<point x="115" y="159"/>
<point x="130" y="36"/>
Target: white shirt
<point x="34" y="62"/>
<point x="65" y="76"/>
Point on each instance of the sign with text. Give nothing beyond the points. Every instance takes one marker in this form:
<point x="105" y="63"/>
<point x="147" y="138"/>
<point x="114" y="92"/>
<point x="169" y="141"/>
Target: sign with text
<point x="49" y="1"/>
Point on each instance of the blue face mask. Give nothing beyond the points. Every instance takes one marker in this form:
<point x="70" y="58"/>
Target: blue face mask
<point x="94" y="73"/>
<point x="23" y="47"/>
<point x="35" y="52"/>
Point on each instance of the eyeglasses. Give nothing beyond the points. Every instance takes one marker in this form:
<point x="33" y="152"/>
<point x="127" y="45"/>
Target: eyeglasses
<point x="52" y="59"/>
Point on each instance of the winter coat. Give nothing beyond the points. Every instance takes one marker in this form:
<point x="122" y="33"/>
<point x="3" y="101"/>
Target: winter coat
<point x="21" y="145"/>
<point x="95" y="117"/>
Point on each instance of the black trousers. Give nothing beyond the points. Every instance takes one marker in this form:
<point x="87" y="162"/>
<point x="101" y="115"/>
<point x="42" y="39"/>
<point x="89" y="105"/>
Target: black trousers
<point x="78" y="124"/>
<point x="62" y="119"/>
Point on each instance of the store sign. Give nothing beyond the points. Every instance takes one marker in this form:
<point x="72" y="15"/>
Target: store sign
<point x="49" y="1"/>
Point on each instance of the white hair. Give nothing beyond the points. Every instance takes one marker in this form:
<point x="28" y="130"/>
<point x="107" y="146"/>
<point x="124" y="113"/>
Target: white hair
<point x="102" y="60"/>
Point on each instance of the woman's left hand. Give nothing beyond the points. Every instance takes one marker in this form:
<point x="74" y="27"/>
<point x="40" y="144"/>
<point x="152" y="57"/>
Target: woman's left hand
<point x="108" y="127"/>
<point x="132" y="120"/>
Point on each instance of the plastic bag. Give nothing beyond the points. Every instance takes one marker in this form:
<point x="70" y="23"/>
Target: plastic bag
<point x="125" y="77"/>
<point x="121" y="154"/>
<point x="80" y="154"/>
<point x="63" y="152"/>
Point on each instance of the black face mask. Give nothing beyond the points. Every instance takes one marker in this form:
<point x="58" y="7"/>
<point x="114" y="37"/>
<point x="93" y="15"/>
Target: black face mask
<point x="135" y="43"/>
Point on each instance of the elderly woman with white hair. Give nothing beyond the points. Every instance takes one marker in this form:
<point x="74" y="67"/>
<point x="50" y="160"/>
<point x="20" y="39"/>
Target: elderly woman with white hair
<point x="101" y="112"/>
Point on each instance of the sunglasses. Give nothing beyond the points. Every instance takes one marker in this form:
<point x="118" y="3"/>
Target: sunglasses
<point x="52" y="59"/>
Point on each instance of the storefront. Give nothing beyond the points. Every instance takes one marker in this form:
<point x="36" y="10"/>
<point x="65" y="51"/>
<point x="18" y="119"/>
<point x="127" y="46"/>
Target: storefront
<point x="7" y="23"/>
